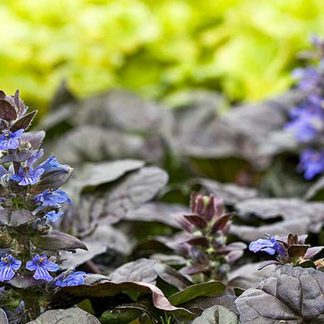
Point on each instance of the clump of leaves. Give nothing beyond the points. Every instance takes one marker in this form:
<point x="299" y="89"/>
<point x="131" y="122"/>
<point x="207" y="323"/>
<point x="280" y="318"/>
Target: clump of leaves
<point x="206" y="245"/>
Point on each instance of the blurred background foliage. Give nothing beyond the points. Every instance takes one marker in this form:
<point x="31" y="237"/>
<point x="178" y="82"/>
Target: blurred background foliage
<point x="244" y="48"/>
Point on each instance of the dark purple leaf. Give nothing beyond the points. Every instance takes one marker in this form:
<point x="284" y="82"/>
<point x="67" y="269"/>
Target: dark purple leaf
<point x="291" y="294"/>
<point x="24" y="122"/>
<point x="201" y="241"/>
<point x="147" y="270"/>
<point x="56" y="240"/>
<point x="7" y="110"/>
<point x="51" y="180"/>
<point x="196" y="220"/>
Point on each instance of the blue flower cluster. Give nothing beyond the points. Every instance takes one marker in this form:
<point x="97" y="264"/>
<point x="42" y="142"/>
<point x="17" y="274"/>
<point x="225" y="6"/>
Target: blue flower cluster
<point x="307" y="119"/>
<point x="41" y="267"/>
<point x="35" y="184"/>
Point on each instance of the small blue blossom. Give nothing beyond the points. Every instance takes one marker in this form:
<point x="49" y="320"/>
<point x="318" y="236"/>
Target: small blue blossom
<point x="306" y="126"/>
<point x="8" y="266"/>
<point x="52" y="164"/>
<point x="270" y="246"/>
<point x="27" y="174"/>
<point x="10" y="140"/>
<point x="311" y="163"/>
<point x="41" y="265"/>
<point x="73" y="279"/>
<point x="50" y="198"/>
<point x="53" y="216"/>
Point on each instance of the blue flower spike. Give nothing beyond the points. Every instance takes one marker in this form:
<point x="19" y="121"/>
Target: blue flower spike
<point x="8" y="266"/>
<point x="41" y="265"/>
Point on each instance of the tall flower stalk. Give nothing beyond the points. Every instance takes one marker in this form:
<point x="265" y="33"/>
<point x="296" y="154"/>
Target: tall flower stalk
<point x="307" y="118"/>
<point x="30" y="201"/>
<point x="209" y="256"/>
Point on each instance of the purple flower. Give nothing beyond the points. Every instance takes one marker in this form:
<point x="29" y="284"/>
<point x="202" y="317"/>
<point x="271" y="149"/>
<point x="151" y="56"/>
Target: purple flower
<point x="51" y="164"/>
<point x="50" y="198"/>
<point x="41" y="265"/>
<point x="73" y="279"/>
<point x="53" y="216"/>
<point x="270" y="246"/>
<point x="311" y="163"/>
<point x="8" y="266"/>
<point x="309" y="79"/>
<point x="306" y="126"/>
<point x="10" y="140"/>
<point x="27" y="174"/>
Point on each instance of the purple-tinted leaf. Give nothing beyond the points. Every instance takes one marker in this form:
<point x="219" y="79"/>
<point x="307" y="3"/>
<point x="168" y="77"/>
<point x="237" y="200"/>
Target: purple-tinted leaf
<point x="217" y="315"/>
<point x="312" y="251"/>
<point x="97" y="286"/>
<point x="291" y="294"/>
<point x="201" y="241"/>
<point x="288" y="215"/>
<point x="267" y="263"/>
<point x="93" y="143"/>
<point x="146" y="270"/>
<point x="297" y="250"/>
<point x="133" y="191"/>
<point x="222" y="223"/>
<point x="231" y="193"/>
<point x="122" y="110"/>
<point x="102" y="238"/>
<point x="157" y="212"/>
<point x="247" y="275"/>
<point x="56" y="240"/>
<point x="196" y="220"/>
<point x="233" y="256"/>
<point x="7" y="110"/>
<point x="139" y="270"/>
<point x="24" y="122"/>
<point x="51" y="180"/>
<point x="35" y="139"/>
<point x="71" y="315"/>
<point x="95" y="174"/>
<point x="15" y="217"/>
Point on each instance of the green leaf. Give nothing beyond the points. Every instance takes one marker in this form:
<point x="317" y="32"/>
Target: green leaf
<point x="205" y="289"/>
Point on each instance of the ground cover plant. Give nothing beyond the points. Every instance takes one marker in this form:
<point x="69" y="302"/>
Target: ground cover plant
<point x="184" y="215"/>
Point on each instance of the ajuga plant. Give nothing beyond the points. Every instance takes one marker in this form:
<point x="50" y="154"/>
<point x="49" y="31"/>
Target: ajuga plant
<point x="209" y="256"/>
<point x="288" y="250"/>
<point x="30" y="201"/>
<point x="307" y="119"/>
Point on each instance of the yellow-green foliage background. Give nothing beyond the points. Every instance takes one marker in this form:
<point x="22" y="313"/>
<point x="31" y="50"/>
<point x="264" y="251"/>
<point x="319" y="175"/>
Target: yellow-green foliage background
<point x="246" y="48"/>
